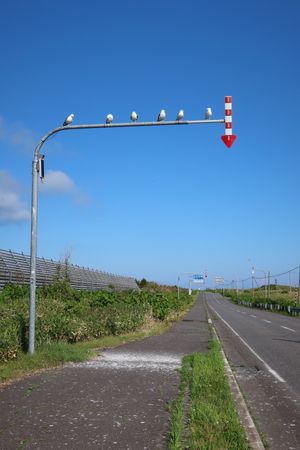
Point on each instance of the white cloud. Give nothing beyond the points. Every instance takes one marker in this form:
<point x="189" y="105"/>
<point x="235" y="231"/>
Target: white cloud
<point x="57" y="182"/>
<point x="17" y="135"/>
<point x="12" y="209"/>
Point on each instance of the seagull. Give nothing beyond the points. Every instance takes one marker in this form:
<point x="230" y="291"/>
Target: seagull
<point x="133" y="116"/>
<point x="109" y="118"/>
<point x="180" y="115"/>
<point x="68" y="120"/>
<point x="161" y="115"/>
<point x="208" y="114"/>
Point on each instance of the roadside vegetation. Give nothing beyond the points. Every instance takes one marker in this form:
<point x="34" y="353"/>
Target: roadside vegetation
<point x="71" y="324"/>
<point x="203" y="416"/>
<point x="280" y="298"/>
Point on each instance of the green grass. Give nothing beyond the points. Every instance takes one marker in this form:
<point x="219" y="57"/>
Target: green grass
<point x="277" y="295"/>
<point x="66" y="315"/>
<point x="211" y="422"/>
<point x="57" y="353"/>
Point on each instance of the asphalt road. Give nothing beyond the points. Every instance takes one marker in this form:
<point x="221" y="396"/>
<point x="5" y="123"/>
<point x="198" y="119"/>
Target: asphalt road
<point x="263" y="348"/>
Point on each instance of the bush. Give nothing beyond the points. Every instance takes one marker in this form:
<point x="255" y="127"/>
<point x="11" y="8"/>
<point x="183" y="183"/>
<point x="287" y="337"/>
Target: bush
<point x="12" y="292"/>
<point x="66" y="315"/>
<point x="125" y="318"/>
<point x="12" y="329"/>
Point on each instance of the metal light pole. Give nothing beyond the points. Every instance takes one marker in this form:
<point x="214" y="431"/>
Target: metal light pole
<point x="299" y="287"/>
<point x="269" y="279"/>
<point x="265" y="274"/>
<point x="34" y="199"/>
<point x="252" y="272"/>
<point x="190" y="286"/>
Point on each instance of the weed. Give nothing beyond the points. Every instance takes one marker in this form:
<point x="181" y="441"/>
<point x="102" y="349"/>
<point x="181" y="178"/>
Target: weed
<point x="212" y="420"/>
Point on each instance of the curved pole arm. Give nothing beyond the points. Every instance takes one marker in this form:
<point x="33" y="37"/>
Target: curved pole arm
<point x="120" y="125"/>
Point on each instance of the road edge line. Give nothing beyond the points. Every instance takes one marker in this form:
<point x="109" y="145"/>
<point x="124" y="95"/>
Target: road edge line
<point x="251" y="431"/>
<point x="272" y="371"/>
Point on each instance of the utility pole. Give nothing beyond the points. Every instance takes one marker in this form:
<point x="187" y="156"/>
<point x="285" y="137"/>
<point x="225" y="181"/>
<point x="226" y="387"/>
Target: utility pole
<point x="299" y="287"/>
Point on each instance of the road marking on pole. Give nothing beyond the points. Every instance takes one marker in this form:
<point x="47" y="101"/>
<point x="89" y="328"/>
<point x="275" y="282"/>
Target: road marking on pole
<point x="272" y="371"/>
<point x="265" y="320"/>
<point x="228" y="138"/>
<point x="287" y="328"/>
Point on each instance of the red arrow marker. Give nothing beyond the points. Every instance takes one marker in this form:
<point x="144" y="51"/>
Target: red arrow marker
<point x="228" y="139"/>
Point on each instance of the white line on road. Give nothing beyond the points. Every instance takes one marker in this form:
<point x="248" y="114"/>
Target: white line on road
<point x="287" y="328"/>
<point x="253" y="316"/>
<point x="273" y="372"/>
<point x="265" y="320"/>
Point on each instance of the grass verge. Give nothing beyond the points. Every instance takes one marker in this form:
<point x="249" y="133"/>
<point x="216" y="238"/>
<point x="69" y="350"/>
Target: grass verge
<point x="57" y="353"/>
<point x="211" y="422"/>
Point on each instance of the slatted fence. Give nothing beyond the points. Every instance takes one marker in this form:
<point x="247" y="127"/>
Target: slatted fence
<point x="15" y="268"/>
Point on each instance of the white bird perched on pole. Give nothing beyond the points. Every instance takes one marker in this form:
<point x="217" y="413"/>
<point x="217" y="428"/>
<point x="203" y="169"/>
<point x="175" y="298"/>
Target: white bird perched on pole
<point x="208" y="114"/>
<point x="180" y="115"/>
<point x="109" y="118"/>
<point x="68" y="120"/>
<point x="133" y="116"/>
<point x="161" y="115"/>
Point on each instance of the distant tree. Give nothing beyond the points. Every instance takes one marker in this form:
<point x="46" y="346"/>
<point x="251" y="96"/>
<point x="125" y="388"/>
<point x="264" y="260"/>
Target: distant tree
<point x="142" y="283"/>
<point x="66" y="265"/>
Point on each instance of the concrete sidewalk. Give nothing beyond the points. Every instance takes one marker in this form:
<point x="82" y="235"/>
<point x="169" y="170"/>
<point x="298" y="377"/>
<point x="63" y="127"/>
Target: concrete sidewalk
<point x="116" y="401"/>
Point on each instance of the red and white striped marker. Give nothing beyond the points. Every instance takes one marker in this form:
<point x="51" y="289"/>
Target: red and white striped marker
<point x="228" y="138"/>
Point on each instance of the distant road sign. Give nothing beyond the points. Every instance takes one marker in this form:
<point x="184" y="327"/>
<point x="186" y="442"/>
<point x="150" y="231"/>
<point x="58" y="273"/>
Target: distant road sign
<point x="219" y="280"/>
<point x="198" y="278"/>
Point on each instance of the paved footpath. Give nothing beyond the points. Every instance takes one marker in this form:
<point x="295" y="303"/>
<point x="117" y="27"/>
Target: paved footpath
<point x="116" y="401"/>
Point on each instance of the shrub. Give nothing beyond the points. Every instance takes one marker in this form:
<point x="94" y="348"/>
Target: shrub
<point x="66" y="315"/>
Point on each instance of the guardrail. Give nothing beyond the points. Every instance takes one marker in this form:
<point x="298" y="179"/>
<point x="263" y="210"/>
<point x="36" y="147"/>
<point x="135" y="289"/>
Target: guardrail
<point x="288" y="309"/>
<point x="15" y="268"/>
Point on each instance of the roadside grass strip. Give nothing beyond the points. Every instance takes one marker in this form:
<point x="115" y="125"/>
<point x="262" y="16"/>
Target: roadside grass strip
<point x="203" y="417"/>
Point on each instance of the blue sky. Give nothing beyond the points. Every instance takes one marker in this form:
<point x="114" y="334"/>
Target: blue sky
<point x="153" y="202"/>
